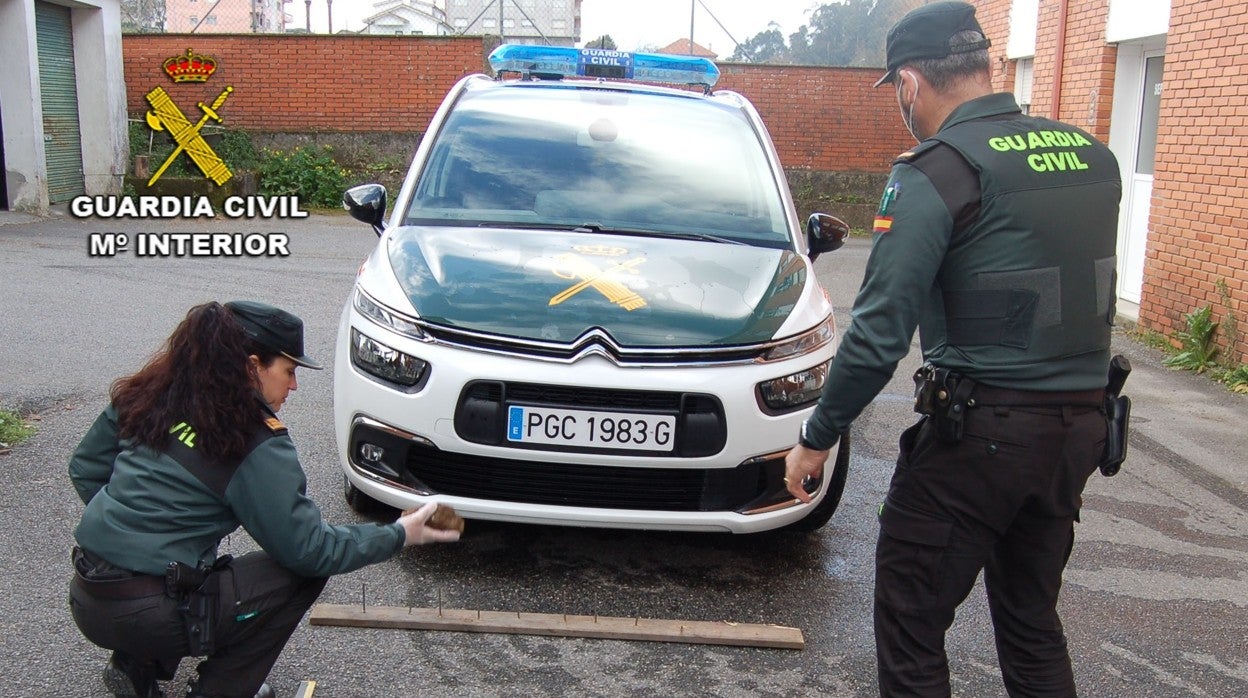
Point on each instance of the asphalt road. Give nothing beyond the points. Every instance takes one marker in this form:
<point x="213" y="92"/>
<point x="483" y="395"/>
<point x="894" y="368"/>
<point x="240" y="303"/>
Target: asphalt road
<point x="1155" y="603"/>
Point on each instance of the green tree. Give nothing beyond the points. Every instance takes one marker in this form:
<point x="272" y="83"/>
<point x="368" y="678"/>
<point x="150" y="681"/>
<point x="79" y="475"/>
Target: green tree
<point x="764" y="47"/>
<point x="604" y="41"/>
<point x="847" y="33"/>
<point x="142" y="16"/>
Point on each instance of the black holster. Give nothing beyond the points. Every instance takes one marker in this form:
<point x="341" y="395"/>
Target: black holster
<point x="198" y="593"/>
<point x="943" y="396"/>
<point x="1117" y="410"/>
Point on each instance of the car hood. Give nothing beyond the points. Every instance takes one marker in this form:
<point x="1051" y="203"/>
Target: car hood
<point x="557" y="285"/>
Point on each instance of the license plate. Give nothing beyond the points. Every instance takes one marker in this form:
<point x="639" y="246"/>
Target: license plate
<point x="583" y="428"/>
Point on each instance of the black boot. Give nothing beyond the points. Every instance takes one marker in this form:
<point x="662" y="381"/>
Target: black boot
<point x="127" y="677"/>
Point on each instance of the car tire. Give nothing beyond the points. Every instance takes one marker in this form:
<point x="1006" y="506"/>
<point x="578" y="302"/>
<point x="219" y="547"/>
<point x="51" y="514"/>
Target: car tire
<point x="836" y="486"/>
<point x="363" y="504"/>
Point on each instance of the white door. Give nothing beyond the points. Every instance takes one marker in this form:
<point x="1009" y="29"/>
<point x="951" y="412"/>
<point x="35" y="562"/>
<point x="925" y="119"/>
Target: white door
<point x="1138" y="183"/>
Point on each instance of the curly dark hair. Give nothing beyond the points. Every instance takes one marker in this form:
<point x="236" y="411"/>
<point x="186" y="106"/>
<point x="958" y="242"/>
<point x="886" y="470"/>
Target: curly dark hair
<point x="202" y="376"/>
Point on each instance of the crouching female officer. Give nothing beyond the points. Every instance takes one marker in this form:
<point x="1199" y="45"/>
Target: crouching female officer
<point x="189" y="449"/>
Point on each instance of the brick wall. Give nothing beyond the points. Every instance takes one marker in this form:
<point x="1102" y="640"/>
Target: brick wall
<point x="1087" y="70"/>
<point x="307" y="82"/>
<point x="1198" y="227"/>
<point x="822" y="119"/>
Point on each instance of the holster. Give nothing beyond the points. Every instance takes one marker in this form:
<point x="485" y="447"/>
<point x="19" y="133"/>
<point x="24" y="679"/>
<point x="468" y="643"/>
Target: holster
<point x="1118" y="416"/>
<point x="943" y="396"/>
<point x="198" y="593"/>
<point x="1117" y="409"/>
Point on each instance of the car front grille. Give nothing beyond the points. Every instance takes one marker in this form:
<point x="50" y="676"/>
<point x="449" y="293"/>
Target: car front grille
<point x="564" y="484"/>
<point x="593" y="486"/>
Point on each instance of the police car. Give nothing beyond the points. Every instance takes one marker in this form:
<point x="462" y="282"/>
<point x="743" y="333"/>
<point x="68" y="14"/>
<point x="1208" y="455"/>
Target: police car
<point x="592" y="304"/>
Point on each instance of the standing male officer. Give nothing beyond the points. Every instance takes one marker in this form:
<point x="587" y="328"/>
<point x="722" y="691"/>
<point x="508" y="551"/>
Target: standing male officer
<point x="995" y="237"/>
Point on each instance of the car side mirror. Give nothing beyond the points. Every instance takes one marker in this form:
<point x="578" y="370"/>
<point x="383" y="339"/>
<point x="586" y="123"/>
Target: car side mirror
<point x="824" y="233"/>
<point x="367" y="203"/>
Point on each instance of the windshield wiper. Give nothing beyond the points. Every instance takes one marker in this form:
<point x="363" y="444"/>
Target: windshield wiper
<point x="643" y="232"/>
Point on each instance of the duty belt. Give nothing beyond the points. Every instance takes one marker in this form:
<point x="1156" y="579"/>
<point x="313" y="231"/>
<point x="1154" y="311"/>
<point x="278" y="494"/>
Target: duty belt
<point x="945" y="396"/>
<point x="114" y="583"/>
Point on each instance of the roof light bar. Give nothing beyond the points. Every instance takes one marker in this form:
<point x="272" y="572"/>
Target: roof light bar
<point x="566" y="61"/>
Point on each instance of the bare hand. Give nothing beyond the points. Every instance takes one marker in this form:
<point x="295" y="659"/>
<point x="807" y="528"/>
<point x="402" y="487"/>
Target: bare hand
<point x="415" y="523"/>
<point x="798" y="465"/>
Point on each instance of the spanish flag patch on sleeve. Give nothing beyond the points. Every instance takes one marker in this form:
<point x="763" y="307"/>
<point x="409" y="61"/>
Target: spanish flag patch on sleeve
<point x="883" y="221"/>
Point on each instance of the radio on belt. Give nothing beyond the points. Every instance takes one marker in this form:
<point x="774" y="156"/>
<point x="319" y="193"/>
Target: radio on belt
<point x="555" y="62"/>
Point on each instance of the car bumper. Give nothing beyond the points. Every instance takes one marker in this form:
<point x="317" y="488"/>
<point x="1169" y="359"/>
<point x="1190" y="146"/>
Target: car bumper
<point x="403" y="447"/>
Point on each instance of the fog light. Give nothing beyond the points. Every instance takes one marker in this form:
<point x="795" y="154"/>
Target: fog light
<point x="372" y="452"/>
<point x="387" y="363"/>
<point x="794" y="390"/>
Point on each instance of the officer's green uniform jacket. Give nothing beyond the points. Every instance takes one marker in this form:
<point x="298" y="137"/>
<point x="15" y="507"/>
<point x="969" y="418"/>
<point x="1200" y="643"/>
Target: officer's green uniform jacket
<point x="146" y="509"/>
<point x="996" y="238"/>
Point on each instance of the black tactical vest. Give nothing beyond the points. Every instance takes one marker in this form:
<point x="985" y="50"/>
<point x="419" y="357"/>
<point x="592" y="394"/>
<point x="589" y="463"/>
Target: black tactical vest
<point x="1028" y="286"/>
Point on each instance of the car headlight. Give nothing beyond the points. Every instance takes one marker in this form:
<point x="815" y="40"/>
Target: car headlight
<point x="387" y="318"/>
<point x="386" y="363"/>
<point x="804" y="343"/>
<point x="794" y="390"/>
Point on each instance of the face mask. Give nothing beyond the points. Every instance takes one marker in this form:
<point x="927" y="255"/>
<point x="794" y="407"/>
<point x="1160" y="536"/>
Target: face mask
<point x="907" y="115"/>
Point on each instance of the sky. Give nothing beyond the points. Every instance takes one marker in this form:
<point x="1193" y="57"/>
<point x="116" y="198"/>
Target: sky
<point x="633" y="24"/>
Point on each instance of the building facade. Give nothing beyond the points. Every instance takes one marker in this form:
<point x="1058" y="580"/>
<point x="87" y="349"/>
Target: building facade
<point x="399" y="17"/>
<point x="62" y="102"/>
<point x="1165" y="84"/>
<point x="226" y="16"/>
<point x="549" y="22"/>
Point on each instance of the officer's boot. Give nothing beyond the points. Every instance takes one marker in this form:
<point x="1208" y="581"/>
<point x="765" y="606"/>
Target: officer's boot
<point x="127" y="677"/>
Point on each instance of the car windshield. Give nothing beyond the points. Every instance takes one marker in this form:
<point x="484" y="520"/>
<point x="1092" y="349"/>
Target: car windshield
<point x="546" y="155"/>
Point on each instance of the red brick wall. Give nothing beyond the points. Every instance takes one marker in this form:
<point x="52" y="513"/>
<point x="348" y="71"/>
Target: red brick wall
<point x="1087" y="70"/>
<point x="1198" y="229"/>
<point x="299" y="82"/>
<point x="823" y="119"/>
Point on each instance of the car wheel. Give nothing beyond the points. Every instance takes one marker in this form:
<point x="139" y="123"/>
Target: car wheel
<point x="361" y="503"/>
<point x="836" y="486"/>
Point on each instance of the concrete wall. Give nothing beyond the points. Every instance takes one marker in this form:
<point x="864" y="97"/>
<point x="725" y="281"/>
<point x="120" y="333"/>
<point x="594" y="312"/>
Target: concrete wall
<point x="96" y="26"/>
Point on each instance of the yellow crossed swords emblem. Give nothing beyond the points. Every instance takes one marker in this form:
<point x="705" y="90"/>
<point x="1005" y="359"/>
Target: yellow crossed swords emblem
<point x="572" y="266"/>
<point x="168" y="117"/>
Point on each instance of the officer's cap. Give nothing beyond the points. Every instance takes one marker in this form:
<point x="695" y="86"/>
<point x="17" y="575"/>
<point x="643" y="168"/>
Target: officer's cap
<point x="272" y="328"/>
<point x="925" y="33"/>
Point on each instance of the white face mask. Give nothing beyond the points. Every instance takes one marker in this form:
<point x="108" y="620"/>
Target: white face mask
<point x="907" y="115"/>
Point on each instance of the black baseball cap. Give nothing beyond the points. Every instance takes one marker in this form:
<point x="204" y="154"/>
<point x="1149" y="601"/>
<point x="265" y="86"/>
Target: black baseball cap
<point x="272" y="328"/>
<point x="925" y="33"/>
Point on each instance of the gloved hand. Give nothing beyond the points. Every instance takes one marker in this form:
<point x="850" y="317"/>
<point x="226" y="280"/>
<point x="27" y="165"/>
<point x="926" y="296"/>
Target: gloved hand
<point x="418" y="533"/>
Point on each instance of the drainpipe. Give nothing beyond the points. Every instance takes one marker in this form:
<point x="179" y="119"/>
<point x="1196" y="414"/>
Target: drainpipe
<point x="1060" y="59"/>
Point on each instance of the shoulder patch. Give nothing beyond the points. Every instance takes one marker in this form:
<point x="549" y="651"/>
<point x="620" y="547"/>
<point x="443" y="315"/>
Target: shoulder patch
<point x="275" y="425"/>
<point x="916" y="151"/>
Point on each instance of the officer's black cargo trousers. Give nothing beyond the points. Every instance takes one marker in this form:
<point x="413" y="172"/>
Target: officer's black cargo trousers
<point x="261" y="604"/>
<point x="1004" y="499"/>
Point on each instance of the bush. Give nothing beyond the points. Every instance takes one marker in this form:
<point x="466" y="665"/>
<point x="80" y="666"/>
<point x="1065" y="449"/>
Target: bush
<point x="309" y="173"/>
<point x="1237" y="379"/>
<point x="233" y="147"/>
<point x="1197" y="350"/>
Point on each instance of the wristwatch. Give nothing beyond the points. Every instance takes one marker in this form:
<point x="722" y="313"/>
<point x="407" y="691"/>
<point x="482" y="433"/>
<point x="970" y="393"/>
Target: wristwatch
<point x="804" y="441"/>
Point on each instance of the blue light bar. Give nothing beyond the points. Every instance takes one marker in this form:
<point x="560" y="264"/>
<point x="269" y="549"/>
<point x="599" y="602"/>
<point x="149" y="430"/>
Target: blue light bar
<point x="565" y="61"/>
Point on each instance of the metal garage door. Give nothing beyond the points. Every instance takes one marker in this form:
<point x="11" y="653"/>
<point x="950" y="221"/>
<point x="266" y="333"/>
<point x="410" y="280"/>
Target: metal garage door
<point x="61" y="135"/>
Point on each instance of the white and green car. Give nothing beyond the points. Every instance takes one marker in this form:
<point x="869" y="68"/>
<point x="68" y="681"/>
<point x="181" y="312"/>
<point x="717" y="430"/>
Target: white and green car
<point x="592" y="304"/>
